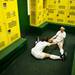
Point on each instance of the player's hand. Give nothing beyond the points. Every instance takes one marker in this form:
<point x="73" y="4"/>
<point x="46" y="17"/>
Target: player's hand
<point x="50" y="40"/>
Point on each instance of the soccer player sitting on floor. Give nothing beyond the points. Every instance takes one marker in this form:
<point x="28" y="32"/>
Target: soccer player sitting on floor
<point x="37" y="50"/>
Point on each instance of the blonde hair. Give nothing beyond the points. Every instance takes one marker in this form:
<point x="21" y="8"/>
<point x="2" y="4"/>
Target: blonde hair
<point x="62" y="28"/>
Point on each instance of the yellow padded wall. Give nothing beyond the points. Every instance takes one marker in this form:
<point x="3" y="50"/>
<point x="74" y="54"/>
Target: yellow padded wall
<point x="10" y="21"/>
<point x="51" y="10"/>
<point x="37" y="12"/>
<point x="71" y="13"/>
<point x="55" y="11"/>
<point x="44" y="16"/>
<point x="3" y="28"/>
<point x="62" y="10"/>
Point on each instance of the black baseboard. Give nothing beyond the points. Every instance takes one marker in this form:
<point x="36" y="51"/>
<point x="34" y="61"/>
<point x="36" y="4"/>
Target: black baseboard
<point x="51" y="26"/>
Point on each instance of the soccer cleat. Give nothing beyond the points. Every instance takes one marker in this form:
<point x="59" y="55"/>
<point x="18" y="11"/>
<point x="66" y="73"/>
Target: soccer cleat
<point x="37" y="40"/>
<point x="62" y="57"/>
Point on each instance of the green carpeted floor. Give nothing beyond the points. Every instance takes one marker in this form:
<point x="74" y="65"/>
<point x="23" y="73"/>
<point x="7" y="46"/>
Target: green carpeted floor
<point x="26" y="64"/>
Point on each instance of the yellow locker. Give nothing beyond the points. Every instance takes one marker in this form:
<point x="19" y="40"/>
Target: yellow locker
<point x="36" y="17"/>
<point x="62" y="4"/>
<point x="44" y="17"/>
<point x="62" y="10"/>
<point x="39" y="4"/>
<point x="10" y="21"/>
<point x="71" y="18"/>
<point x="3" y="38"/>
<point x="45" y="10"/>
<point x="33" y="17"/>
<point x="39" y="7"/>
<point x="52" y="4"/>
<point x="32" y="5"/>
<point x="61" y="16"/>
<point x="38" y="14"/>
<point x="33" y="12"/>
<point x="3" y="31"/>
<point x="58" y="11"/>
<point x="41" y="17"/>
<point x="51" y="15"/>
<point x="13" y="21"/>
<point x="72" y="5"/>
<point x="13" y="30"/>
<point x="10" y="10"/>
<point x="51" y="10"/>
<point x="44" y="4"/>
<point x="71" y="13"/>
<point x="36" y="5"/>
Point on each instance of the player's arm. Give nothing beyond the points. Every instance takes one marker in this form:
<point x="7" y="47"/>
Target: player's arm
<point x="50" y="40"/>
<point x="55" y="35"/>
<point x="48" y="44"/>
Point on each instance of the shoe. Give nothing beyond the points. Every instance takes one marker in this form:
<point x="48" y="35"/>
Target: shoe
<point x="36" y="42"/>
<point x="62" y="57"/>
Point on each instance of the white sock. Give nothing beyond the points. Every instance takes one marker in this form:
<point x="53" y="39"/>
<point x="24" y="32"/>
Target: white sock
<point x="54" y="57"/>
<point x="61" y="51"/>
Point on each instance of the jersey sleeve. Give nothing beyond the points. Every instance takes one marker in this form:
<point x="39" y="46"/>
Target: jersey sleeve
<point x="56" y="35"/>
<point x="48" y="44"/>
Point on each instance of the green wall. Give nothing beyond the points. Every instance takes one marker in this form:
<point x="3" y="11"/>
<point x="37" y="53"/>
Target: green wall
<point x="23" y="17"/>
<point x="73" y="68"/>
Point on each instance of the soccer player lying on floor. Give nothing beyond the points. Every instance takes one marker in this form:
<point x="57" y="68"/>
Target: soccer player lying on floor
<point x="37" y="51"/>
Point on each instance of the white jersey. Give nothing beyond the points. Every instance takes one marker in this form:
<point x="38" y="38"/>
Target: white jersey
<point x="39" y="47"/>
<point x="60" y="36"/>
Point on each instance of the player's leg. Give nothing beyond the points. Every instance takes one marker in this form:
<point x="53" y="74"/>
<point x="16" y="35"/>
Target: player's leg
<point x="60" y="45"/>
<point x="54" y="56"/>
<point x="46" y="55"/>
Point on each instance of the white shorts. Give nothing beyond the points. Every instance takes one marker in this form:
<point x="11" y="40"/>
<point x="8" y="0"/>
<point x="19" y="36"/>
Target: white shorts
<point x="55" y="41"/>
<point x="38" y="55"/>
<point x="60" y="44"/>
